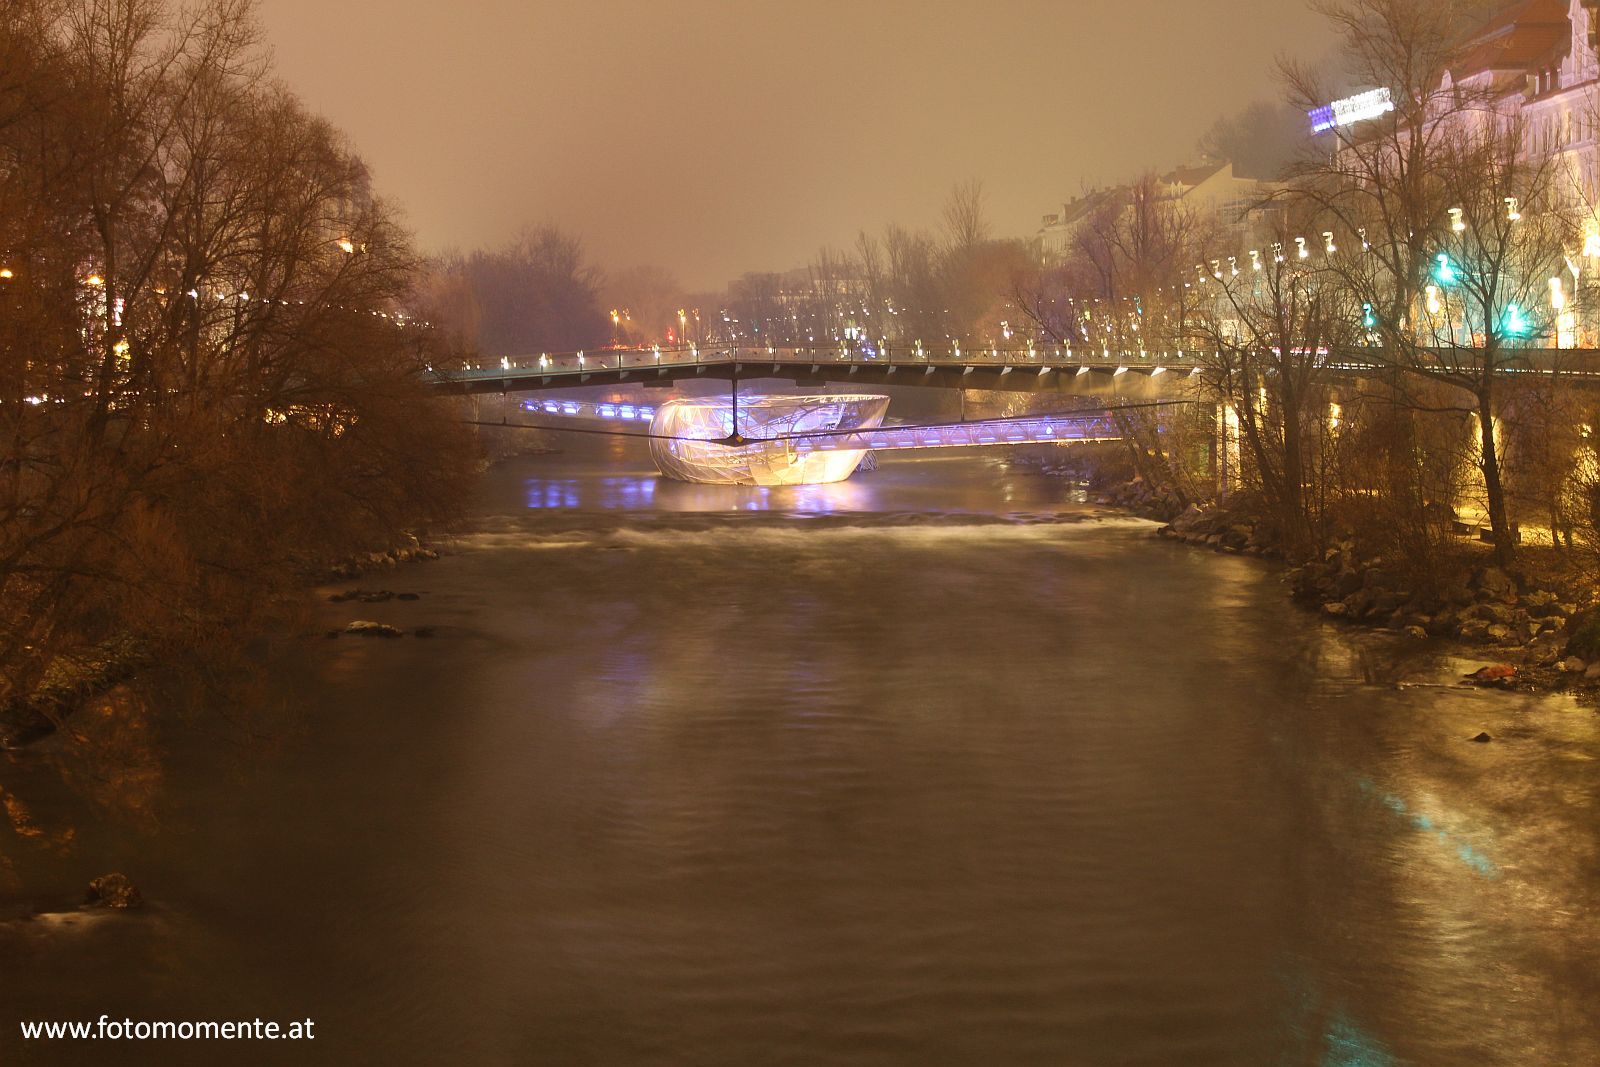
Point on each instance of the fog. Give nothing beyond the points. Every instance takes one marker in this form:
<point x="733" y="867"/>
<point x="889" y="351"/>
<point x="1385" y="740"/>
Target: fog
<point x="713" y="137"/>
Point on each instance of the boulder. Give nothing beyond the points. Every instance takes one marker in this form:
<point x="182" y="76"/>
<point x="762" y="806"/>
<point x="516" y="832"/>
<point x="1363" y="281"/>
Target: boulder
<point x="1571" y="665"/>
<point x="113" y="891"/>
<point x="1358" y="603"/>
<point x="1494" y="582"/>
<point x="1540" y="602"/>
<point x="1482" y="737"/>
<point x="367" y="628"/>
<point x="1388" y="602"/>
<point x="1544" y="650"/>
<point x="1473" y="630"/>
<point x="1492" y="612"/>
<point x="1499" y="633"/>
<point x="1584" y="628"/>
<point x="1335" y="608"/>
<point x="1416" y="632"/>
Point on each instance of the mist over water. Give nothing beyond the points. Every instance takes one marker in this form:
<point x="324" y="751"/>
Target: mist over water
<point x="937" y="765"/>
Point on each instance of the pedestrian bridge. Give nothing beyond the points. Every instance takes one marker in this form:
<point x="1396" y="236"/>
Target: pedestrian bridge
<point x="1018" y="370"/>
<point x="1035" y="368"/>
<point x="637" y="420"/>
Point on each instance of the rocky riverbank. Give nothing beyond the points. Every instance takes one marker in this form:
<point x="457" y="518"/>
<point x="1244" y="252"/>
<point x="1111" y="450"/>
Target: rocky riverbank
<point x="1544" y="627"/>
<point x="75" y="680"/>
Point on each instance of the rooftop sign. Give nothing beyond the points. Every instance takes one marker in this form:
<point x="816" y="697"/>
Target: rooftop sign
<point x="1352" y="109"/>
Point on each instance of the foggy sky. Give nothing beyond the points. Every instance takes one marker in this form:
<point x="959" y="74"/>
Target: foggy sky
<point x="713" y="137"/>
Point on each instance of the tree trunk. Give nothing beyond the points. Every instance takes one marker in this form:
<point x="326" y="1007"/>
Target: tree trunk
<point x="1505" y="548"/>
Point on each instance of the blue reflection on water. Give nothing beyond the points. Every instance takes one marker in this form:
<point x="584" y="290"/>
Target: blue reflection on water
<point x="650" y="492"/>
<point x="1350" y="1046"/>
<point x="1464" y="851"/>
<point x="615" y="492"/>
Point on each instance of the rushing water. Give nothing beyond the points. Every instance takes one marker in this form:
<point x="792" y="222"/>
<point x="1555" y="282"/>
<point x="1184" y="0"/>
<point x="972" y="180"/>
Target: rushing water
<point x="933" y="766"/>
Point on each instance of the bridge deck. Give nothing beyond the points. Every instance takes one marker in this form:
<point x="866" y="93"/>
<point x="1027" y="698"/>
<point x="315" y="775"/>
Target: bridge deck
<point x="1021" y="370"/>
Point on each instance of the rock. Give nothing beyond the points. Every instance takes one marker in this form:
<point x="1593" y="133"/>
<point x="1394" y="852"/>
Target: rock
<point x="1592" y="671"/>
<point x="1335" y="608"/>
<point x="1495" y="582"/>
<point x="1544" y="652"/>
<point x="1540" y="602"/>
<point x="408" y="596"/>
<point x="1490" y="611"/>
<point x="367" y="628"/>
<point x="1386" y="603"/>
<point x="1526" y="630"/>
<point x="113" y="891"/>
<point x="374" y="596"/>
<point x="1416" y="632"/>
<point x="1572" y="665"/>
<point x="1358" y="603"/>
<point x="1474" y="630"/>
<point x="1584" y="627"/>
<point x="1482" y="738"/>
<point x="1498" y="632"/>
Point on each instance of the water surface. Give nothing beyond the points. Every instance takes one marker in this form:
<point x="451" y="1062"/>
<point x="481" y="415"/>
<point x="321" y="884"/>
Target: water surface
<point x="939" y="765"/>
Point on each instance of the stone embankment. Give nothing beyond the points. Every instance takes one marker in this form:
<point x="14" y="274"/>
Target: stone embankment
<point x="1550" y="630"/>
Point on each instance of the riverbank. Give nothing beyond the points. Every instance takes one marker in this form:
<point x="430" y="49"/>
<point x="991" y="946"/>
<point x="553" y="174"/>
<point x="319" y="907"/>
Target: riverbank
<point x="1539" y="617"/>
<point x="1537" y="623"/>
<point x="77" y="679"/>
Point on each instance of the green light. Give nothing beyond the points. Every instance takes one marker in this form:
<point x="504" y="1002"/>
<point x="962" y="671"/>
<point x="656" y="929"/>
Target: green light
<point x="1368" y="319"/>
<point x="1444" y="270"/>
<point x="1515" y="324"/>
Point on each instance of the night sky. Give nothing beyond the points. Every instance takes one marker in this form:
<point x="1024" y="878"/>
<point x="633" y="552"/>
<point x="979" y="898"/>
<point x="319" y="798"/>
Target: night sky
<point x="716" y="137"/>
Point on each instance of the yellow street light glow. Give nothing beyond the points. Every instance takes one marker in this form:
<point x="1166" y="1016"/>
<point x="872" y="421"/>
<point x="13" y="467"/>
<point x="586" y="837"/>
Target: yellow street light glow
<point x="346" y="245"/>
<point x="1455" y="220"/>
<point x="5" y="272"/>
<point x="94" y="280"/>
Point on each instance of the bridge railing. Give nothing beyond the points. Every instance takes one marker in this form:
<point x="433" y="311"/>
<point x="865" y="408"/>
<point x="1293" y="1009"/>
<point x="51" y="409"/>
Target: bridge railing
<point x="569" y="363"/>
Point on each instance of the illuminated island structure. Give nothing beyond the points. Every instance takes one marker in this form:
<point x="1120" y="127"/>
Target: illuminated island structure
<point x="695" y="439"/>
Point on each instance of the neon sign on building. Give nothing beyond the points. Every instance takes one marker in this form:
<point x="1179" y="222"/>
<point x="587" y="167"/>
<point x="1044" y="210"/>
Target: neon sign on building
<point x="1352" y="109"/>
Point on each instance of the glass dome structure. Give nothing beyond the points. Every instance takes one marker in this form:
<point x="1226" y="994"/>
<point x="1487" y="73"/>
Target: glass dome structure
<point x="691" y="434"/>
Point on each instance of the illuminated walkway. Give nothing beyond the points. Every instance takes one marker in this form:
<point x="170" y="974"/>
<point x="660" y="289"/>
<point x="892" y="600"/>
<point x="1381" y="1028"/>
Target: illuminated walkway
<point x="1052" y="368"/>
<point x="1018" y="370"/>
<point x="1089" y="425"/>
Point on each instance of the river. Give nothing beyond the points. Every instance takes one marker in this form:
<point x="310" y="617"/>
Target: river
<point x="940" y="765"/>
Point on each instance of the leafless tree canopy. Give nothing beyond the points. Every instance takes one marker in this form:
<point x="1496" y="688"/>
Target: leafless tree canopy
<point x="207" y="380"/>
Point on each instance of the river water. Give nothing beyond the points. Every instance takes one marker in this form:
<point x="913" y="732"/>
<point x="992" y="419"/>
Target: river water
<point x="936" y="766"/>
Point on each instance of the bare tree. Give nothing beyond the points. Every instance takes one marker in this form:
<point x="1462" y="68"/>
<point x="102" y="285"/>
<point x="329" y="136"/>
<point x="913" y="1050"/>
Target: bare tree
<point x="1449" y="225"/>
<point x="965" y="221"/>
